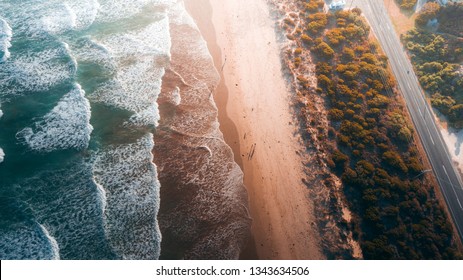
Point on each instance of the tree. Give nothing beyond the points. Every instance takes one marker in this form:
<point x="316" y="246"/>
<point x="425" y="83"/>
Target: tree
<point x="364" y="168"/>
<point x="379" y="101"/>
<point x="317" y="22"/>
<point x="306" y="39"/>
<point x="323" y="68"/>
<point x="335" y="37"/>
<point x="324" y="81"/>
<point x="395" y="160"/>
<point x="405" y="134"/>
<point x="324" y="50"/>
<point x="312" y="6"/>
<point x="456" y="115"/>
<point x="429" y="11"/>
<point x="357" y="11"/>
<point x="407" y="4"/>
<point x="348" y="54"/>
<point x="339" y="159"/>
<point x="336" y="114"/>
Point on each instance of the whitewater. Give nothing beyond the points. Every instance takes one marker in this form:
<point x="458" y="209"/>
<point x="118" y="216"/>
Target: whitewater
<point x="110" y="146"/>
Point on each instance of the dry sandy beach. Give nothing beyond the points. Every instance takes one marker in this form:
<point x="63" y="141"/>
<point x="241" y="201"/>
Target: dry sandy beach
<point x="257" y="122"/>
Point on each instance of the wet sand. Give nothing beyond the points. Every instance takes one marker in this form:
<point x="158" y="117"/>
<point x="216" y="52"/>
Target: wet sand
<point x="258" y="123"/>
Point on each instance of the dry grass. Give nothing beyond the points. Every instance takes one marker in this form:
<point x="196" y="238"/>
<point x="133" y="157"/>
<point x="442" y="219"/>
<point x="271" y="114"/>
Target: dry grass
<point x="402" y="20"/>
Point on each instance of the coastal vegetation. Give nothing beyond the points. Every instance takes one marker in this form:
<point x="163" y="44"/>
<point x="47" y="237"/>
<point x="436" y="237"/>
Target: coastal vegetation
<point x="437" y="57"/>
<point x="406" y="4"/>
<point x="429" y="11"/>
<point x="396" y="211"/>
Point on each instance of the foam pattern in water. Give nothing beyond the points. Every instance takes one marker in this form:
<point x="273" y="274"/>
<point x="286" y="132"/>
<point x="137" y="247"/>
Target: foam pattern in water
<point x="114" y="10"/>
<point x="84" y="12"/>
<point x="27" y="240"/>
<point x="129" y="177"/>
<point x="5" y="38"/>
<point x="204" y="203"/>
<point x="98" y="197"/>
<point x="140" y="57"/>
<point x="135" y="89"/>
<point x="36" y="71"/>
<point x="35" y="18"/>
<point x="61" y="18"/>
<point x="88" y="51"/>
<point x="67" y="126"/>
<point x="70" y="205"/>
<point x="2" y="155"/>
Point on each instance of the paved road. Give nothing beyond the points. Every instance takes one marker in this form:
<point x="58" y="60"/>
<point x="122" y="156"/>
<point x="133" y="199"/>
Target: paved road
<point x="448" y="177"/>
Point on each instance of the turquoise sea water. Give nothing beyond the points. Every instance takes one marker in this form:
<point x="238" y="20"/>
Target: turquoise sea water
<point x="89" y="167"/>
<point x="78" y="87"/>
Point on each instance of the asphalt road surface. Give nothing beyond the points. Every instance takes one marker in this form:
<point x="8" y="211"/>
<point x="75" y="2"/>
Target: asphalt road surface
<point x="443" y="168"/>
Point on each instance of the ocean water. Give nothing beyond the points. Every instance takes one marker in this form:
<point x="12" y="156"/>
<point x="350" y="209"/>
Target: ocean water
<point x="81" y="128"/>
<point x="204" y="206"/>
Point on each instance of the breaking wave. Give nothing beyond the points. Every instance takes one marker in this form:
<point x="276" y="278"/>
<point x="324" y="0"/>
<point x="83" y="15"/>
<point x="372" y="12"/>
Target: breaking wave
<point x="96" y="92"/>
<point x="5" y="38"/>
<point x="203" y="211"/>
<point x="28" y="240"/>
<point x="67" y="201"/>
<point x="67" y="126"/>
<point x="37" y="71"/>
<point x="129" y="178"/>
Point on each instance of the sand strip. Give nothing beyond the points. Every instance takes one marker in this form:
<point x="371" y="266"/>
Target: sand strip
<point x="257" y="122"/>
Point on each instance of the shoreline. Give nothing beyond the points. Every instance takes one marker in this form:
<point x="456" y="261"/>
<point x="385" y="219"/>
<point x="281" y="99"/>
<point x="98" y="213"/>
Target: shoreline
<point x="227" y="126"/>
<point x="258" y="124"/>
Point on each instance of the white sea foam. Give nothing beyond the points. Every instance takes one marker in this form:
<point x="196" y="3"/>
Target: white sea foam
<point x="152" y="40"/>
<point x="129" y="178"/>
<point x="149" y="116"/>
<point x="36" y="71"/>
<point x="66" y="126"/>
<point x="178" y="15"/>
<point x="5" y="40"/>
<point x="176" y="97"/>
<point x="197" y="48"/>
<point x="114" y="10"/>
<point x="140" y="57"/>
<point x="69" y="203"/>
<point x="206" y="184"/>
<point x="53" y="244"/>
<point x="194" y="65"/>
<point x="87" y="50"/>
<point x="50" y="17"/>
<point x="85" y="12"/>
<point x="135" y="88"/>
<point x="102" y="196"/>
<point x="2" y="155"/>
<point x="20" y="16"/>
<point x="28" y="241"/>
<point x="57" y="18"/>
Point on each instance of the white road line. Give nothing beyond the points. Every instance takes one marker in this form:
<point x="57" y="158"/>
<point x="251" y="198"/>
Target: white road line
<point x="397" y="57"/>
<point x="449" y="207"/>
<point x="430" y="135"/>
<point x="453" y="188"/>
